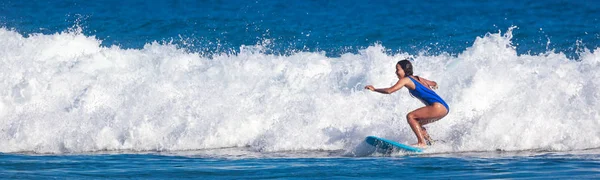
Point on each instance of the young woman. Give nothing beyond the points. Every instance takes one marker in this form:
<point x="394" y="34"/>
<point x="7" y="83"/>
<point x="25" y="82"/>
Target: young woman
<point x="421" y="88"/>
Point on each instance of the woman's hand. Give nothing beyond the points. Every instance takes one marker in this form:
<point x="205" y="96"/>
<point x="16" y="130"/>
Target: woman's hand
<point x="370" y="87"/>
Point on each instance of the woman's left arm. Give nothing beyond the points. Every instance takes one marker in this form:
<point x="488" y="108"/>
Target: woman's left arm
<point x="389" y="90"/>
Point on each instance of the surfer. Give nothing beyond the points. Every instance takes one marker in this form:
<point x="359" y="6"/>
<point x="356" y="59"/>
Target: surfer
<point x="421" y="88"/>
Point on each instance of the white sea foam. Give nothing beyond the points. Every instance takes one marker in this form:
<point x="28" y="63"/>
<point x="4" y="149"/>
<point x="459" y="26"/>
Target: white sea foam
<point x="64" y="92"/>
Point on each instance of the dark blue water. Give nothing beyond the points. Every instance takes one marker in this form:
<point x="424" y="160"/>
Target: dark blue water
<point x="161" y="89"/>
<point x="331" y="26"/>
<point x="157" y="166"/>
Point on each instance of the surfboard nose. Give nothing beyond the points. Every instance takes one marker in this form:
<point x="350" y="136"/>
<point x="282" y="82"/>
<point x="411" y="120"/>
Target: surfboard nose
<point x="386" y="144"/>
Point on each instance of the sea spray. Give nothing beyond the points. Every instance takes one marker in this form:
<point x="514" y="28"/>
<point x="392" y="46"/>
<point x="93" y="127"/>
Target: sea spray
<point x="64" y="93"/>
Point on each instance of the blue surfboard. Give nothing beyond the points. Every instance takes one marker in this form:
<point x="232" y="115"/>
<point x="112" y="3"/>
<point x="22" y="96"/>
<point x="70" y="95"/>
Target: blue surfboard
<point x="387" y="144"/>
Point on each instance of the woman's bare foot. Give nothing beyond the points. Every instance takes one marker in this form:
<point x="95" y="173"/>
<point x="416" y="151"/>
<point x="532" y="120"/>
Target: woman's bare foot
<point x="419" y="145"/>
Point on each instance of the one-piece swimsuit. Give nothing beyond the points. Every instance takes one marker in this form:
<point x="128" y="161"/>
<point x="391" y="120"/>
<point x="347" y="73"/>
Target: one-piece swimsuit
<point x="426" y="95"/>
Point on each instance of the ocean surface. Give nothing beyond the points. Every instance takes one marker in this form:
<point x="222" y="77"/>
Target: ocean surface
<point x="274" y="89"/>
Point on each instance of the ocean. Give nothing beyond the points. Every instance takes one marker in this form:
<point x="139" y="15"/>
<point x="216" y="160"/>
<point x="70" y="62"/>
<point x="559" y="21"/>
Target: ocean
<point x="260" y="89"/>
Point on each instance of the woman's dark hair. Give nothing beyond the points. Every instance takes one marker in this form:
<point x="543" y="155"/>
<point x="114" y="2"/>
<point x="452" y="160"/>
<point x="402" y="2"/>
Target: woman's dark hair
<point x="406" y="66"/>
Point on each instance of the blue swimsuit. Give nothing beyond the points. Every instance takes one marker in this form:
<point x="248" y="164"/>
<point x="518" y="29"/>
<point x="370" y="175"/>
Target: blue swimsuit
<point x="426" y="95"/>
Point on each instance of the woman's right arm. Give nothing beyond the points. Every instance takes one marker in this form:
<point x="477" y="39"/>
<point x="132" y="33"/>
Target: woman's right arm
<point x="431" y="84"/>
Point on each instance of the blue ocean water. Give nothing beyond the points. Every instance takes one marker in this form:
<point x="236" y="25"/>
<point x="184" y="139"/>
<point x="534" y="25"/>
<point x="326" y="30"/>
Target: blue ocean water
<point x="333" y="26"/>
<point x="274" y="89"/>
<point x="161" y="166"/>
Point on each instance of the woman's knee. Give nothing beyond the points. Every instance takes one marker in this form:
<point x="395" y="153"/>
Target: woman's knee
<point x="411" y="117"/>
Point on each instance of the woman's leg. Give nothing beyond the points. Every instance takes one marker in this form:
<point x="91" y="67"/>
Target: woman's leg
<point x="425" y="115"/>
<point x="428" y="139"/>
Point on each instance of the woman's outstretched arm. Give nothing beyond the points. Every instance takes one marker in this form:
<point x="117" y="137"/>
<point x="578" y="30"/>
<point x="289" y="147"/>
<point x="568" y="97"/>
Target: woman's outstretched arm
<point x="389" y="90"/>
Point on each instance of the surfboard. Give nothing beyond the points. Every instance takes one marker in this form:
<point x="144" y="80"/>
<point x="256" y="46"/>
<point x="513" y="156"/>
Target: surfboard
<point x="387" y="144"/>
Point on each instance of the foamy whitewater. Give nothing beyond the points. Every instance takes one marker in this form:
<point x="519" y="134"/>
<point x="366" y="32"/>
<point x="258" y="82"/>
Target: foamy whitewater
<point x="65" y="93"/>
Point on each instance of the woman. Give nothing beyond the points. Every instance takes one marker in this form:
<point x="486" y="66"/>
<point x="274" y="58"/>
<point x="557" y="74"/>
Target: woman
<point x="421" y="88"/>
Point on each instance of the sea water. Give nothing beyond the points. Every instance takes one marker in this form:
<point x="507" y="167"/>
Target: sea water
<point x="274" y="89"/>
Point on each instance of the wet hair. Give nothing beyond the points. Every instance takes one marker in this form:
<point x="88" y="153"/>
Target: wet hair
<point x="406" y="66"/>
